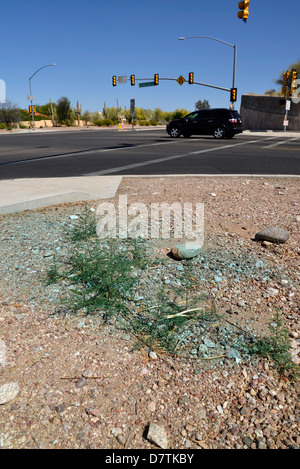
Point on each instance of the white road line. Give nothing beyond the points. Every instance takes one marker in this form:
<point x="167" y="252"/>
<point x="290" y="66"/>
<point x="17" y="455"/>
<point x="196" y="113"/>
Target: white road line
<point x="86" y="152"/>
<point x="281" y="143"/>
<point x="168" y="158"/>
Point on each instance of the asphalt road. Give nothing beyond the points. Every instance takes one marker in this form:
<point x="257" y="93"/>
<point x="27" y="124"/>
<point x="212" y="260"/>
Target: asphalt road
<point x="144" y="152"/>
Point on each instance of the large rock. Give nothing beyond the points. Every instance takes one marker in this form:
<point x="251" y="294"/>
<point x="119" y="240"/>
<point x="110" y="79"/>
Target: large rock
<point x="186" y="250"/>
<point x="273" y="234"/>
<point x="8" y="392"/>
<point x="157" y="435"/>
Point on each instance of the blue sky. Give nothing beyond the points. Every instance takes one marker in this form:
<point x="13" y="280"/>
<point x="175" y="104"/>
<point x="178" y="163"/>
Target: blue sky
<point x="92" y="40"/>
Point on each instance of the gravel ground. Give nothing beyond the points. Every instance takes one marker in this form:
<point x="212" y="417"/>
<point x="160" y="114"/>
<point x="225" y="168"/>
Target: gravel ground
<point x="81" y="383"/>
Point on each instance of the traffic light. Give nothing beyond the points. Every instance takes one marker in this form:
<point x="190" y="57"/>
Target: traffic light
<point x="114" y="80"/>
<point x="244" y="7"/>
<point x="156" y="79"/>
<point x="191" y="78"/>
<point x="293" y="81"/>
<point x="285" y="82"/>
<point x="30" y="109"/>
<point x="34" y="109"/>
<point x="233" y="93"/>
<point x="132" y="80"/>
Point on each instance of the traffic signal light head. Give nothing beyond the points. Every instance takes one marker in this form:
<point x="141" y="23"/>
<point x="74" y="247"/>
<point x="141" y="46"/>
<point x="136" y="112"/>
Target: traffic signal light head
<point x="244" y="13"/>
<point x="132" y="80"/>
<point x="293" y="81"/>
<point x="285" y="83"/>
<point x="114" y="80"/>
<point x="233" y="94"/>
<point x="191" y="78"/>
<point x="156" y="79"/>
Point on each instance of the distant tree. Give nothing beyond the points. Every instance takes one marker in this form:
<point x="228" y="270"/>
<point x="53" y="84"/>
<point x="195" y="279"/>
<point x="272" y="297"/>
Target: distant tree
<point x="168" y="116"/>
<point x="64" y="111"/>
<point x="158" y="115"/>
<point x="202" y="104"/>
<point x="270" y="92"/>
<point x="44" y="109"/>
<point x="87" y="117"/>
<point x="9" y="113"/>
<point x="179" y="113"/>
<point x="113" y="113"/>
<point x="295" y="66"/>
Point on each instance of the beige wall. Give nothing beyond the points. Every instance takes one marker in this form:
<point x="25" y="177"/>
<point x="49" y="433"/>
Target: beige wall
<point x="46" y="123"/>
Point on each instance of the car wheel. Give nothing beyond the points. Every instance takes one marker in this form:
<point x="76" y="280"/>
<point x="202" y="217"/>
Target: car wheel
<point x="174" y="132"/>
<point x="219" y="132"/>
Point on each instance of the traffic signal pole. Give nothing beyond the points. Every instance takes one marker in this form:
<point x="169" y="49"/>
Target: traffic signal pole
<point x="234" y="57"/>
<point x="32" y="114"/>
<point x="31" y="97"/>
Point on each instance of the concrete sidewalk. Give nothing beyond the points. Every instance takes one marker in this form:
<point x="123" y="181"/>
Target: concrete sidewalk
<point x="17" y="195"/>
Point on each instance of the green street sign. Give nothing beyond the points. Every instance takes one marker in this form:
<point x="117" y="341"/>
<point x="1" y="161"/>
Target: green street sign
<point x="147" y="83"/>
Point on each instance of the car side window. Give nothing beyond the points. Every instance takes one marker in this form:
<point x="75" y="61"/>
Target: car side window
<point x="208" y="114"/>
<point x="192" y="116"/>
<point x="205" y="114"/>
<point x="200" y="114"/>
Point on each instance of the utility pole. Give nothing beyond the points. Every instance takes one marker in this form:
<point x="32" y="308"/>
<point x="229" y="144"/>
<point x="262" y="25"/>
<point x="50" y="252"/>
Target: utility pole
<point x="51" y="110"/>
<point x="78" y="114"/>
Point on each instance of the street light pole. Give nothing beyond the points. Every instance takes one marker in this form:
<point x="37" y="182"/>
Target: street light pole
<point x="31" y="97"/>
<point x="223" y="42"/>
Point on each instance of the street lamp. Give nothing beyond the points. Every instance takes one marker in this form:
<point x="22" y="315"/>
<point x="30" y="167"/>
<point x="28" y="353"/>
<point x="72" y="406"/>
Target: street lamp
<point x="223" y="42"/>
<point x="31" y="97"/>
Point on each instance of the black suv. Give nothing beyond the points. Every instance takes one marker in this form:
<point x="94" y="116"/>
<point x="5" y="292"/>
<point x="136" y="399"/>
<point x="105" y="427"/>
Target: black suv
<point x="217" y="122"/>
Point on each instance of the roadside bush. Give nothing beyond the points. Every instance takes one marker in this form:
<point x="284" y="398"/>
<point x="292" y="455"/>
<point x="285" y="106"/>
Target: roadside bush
<point x="144" y="122"/>
<point x="104" y="122"/>
<point x="153" y="122"/>
<point x="2" y="125"/>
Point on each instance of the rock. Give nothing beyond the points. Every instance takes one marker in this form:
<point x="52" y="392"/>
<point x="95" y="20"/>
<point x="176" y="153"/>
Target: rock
<point x="81" y="382"/>
<point x="247" y="441"/>
<point x="152" y="355"/>
<point x="209" y="343"/>
<point x="233" y="353"/>
<point x="151" y="407"/>
<point x="8" y="392"/>
<point x="273" y="234"/>
<point x="2" y="353"/>
<point x="186" y="250"/>
<point x="244" y="411"/>
<point x="183" y="400"/>
<point x="270" y="291"/>
<point x="157" y="435"/>
<point x="242" y="303"/>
